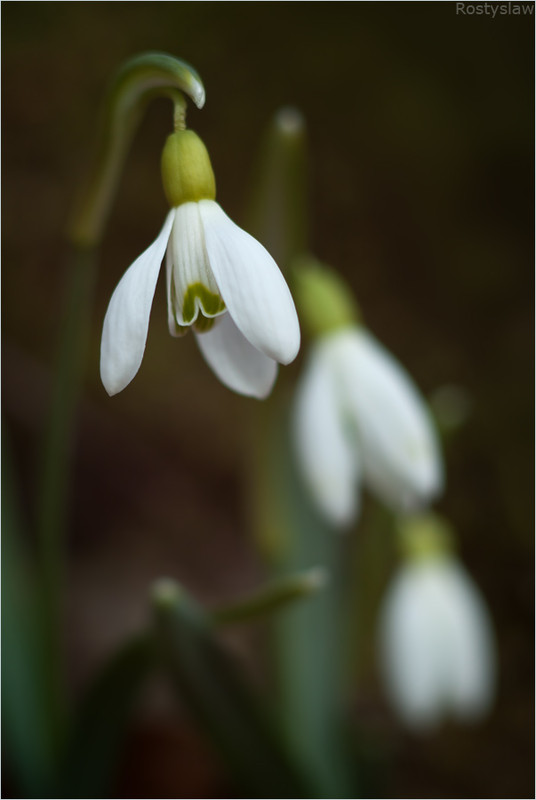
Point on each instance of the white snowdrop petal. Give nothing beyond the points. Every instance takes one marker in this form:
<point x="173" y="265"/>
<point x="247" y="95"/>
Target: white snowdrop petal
<point x="437" y="644"/>
<point x="191" y="269"/>
<point x="252" y="286"/>
<point x="124" y="333"/>
<point x="170" y="292"/>
<point x="328" y="462"/>
<point x="411" y="649"/>
<point x="472" y="651"/>
<point x="238" y="365"/>
<point x="401" y="459"/>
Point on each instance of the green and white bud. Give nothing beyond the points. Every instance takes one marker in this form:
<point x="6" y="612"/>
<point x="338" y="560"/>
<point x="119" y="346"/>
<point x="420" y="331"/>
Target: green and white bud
<point x="437" y="645"/>
<point x="186" y="169"/>
<point x="324" y="300"/>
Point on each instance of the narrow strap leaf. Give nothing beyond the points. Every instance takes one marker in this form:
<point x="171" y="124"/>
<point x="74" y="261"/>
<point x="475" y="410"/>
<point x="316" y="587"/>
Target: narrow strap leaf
<point x="102" y="718"/>
<point x="274" y="597"/>
<point x="210" y="683"/>
<point x="29" y="743"/>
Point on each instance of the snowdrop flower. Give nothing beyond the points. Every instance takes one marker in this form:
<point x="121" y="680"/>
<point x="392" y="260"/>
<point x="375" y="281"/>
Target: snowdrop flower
<point x="437" y="647"/>
<point x="220" y="281"/>
<point x="358" y="416"/>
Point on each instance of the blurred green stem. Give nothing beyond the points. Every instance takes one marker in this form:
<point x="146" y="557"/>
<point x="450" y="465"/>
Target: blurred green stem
<point x="25" y="701"/>
<point x="309" y="646"/>
<point x="278" y="214"/>
<point x="55" y="467"/>
<point x="309" y="639"/>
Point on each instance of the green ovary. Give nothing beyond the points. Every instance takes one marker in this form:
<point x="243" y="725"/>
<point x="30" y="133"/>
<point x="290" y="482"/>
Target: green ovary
<point x="210" y="306"/>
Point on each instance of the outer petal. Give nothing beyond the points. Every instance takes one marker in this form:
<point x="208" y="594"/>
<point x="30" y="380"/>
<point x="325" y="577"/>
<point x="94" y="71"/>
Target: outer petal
<point x="401" y="458"/>
<point x="413" y="648"/>
<point x="251" y="285"/>
<point x="235" y="361"/>
<point x="328" y="461"/>
<point x="437" y="644"/>
<point x="124" y="333"/>
<point x="472" y="652"/>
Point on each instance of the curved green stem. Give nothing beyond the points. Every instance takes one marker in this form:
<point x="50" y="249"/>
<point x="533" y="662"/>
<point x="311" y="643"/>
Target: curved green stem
<point x="138" y="81"/>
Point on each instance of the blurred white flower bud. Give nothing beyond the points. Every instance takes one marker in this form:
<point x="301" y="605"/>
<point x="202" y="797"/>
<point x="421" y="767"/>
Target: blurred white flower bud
<point x="358" y="416"/>
<point x="437" y="648"/>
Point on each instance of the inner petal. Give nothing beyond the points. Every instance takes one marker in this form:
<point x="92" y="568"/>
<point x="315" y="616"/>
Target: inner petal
<point x="193" y="288"/>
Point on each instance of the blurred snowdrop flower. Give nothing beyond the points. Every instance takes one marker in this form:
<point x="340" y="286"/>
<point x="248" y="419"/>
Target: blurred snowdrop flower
<point x="437" y="648"/>
<point x="220" y="281"/>
<point x="358" y="416"/>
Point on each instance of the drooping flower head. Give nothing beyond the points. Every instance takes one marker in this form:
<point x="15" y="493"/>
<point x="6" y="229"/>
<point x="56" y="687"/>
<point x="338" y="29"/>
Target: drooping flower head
<point x="219" y="279"/>
<point x="437" y="649"/>
<point x="358" y="417"/>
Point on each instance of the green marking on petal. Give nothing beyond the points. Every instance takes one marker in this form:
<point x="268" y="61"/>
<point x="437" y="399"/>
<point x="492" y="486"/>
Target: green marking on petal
<point x="181" y="330"/>
<point x="203" y="324"/>
<point x="210" y="304"/>
<point x="178" y="329"/>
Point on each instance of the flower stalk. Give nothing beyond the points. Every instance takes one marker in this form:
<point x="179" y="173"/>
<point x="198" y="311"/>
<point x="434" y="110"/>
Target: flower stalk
<point x="56" y="457"/>
<point x="139" y="80"/>
<point x="308" y="640"/>
<point x="279" y="213"/>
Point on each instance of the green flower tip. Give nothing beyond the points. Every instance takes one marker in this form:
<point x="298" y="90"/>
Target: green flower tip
<point x="324" y="300"/>
<point x="425" y="536"/>
<point x="186" y="169"/>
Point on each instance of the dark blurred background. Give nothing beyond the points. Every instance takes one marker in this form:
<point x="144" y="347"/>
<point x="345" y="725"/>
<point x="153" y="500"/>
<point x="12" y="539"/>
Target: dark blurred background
<point x="421" y="149"/>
